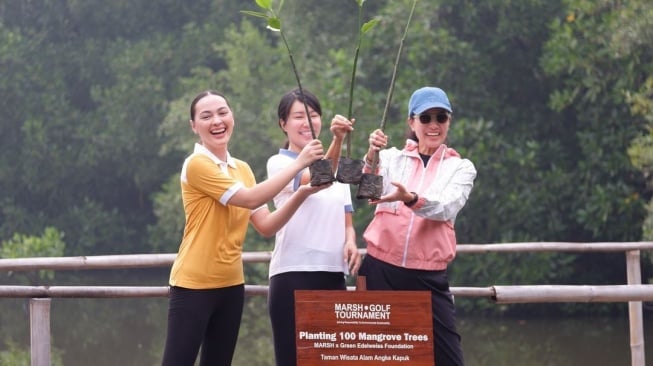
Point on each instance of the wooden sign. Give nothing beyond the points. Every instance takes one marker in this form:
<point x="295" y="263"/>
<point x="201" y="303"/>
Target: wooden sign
<point x="363" y="328"/>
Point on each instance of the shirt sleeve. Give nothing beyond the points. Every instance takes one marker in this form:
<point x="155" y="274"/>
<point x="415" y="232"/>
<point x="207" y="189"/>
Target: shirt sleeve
<point x="207" y="177"/>
<point x="346" y="192"/>
<point x="275" y="164"/>
<point x="446" y="204"/>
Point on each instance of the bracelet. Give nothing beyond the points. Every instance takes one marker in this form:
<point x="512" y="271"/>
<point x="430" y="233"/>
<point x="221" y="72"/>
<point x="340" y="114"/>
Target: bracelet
<point x="412" y="202"/>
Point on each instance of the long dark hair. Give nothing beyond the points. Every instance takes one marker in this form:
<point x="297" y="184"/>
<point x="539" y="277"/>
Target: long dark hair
<point x="202" y="95"/>
<point x="288" y="99"/>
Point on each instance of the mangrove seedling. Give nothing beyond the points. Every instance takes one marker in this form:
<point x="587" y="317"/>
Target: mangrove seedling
<point x="350" y="170"/>
<point x="371" y="185"/>
<point x="321" y="171"/>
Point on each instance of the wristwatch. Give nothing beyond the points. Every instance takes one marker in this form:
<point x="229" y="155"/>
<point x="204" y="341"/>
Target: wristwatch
<point x="412" y="202"/>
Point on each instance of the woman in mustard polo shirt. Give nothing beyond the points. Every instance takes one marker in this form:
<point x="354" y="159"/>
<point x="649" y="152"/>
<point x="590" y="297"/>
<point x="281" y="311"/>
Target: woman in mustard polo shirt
<point x="220" y="197"/>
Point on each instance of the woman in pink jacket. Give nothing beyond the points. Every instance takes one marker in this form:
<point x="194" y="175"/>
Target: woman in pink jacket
<point x="411" y="239"/>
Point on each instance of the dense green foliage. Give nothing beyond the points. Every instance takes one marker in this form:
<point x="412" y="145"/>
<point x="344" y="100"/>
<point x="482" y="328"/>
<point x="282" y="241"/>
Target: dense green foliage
<point x="15" y="356"/>
<point x="552" y="103"/>
<point x="50" y="244"/>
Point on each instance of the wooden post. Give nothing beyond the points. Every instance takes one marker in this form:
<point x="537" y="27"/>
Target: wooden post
<point x="361" y="283"/>
<point x="635" y="310"/>
<point x="39" y="316"/>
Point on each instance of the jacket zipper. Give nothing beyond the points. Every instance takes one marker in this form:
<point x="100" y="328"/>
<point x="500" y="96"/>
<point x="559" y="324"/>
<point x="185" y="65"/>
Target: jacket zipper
<point x="424" y="169"/>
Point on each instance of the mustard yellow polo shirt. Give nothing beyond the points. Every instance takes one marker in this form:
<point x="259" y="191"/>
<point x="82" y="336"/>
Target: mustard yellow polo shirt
<point x="210" y="252"/>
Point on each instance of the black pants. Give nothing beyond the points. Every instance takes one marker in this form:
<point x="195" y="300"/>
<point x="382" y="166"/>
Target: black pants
<point x="446" y="340"/>
<point x="281" y="304"/>
<point x="210" y="318"/>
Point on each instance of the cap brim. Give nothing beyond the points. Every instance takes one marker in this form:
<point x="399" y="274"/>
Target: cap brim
<point x="426" y="107"/>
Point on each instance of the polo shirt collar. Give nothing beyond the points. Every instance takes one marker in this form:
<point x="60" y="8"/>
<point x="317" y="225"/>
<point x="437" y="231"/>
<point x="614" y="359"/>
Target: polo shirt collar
<point x="288" y="153"/>
<point x="200" y="149"/>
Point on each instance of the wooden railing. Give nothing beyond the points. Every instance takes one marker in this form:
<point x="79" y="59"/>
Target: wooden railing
<point x="40" y="296"/>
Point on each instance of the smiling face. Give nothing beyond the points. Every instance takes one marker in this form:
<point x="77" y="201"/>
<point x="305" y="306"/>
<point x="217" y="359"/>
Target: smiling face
<point x="432" y="134"/>
<point x="213" y="122"/>
<point x="297" y="128"/>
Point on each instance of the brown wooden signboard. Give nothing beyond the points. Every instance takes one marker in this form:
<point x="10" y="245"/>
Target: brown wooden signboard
<point x="363" y="328"/>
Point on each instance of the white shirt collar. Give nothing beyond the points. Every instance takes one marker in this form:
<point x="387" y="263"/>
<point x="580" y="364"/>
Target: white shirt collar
<point x="200" y="149"/>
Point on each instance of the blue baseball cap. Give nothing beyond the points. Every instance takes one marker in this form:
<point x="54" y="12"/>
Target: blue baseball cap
<point x="426" y="98"/>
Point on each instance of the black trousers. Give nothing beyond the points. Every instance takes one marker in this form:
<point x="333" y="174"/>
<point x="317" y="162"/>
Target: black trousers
<point x="210" y="318"/>
<point x="446" y="340"/>
<point x="281" y="304"/>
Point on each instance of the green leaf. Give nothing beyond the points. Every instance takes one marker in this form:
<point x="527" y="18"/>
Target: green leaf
<point x="254" y="14"/>
<point x="274" y="24"/>
<point x="369" y="25"/>
<point x="265" y="4"/>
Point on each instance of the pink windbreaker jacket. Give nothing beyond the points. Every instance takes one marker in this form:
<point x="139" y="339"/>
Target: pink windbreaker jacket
<point x="422" y="236"/>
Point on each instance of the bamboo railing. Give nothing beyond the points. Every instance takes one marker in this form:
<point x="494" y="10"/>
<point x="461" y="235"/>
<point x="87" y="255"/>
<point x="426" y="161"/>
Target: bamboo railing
<point x="40" y="296"/>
